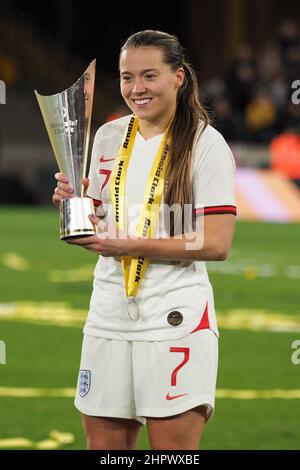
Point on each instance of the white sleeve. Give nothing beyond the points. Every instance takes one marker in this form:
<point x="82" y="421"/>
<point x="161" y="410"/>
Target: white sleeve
<point x="213" y="175"/>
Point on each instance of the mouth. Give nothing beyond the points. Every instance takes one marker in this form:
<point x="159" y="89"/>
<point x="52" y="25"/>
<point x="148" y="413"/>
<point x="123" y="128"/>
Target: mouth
<point x="141" y="102"/>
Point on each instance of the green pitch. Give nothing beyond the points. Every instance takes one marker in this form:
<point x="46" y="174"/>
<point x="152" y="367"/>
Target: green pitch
<point x="45" y="290"/>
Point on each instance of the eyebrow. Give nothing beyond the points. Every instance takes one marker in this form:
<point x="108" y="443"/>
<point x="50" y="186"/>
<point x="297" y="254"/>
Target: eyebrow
<point x="143" y="71"/>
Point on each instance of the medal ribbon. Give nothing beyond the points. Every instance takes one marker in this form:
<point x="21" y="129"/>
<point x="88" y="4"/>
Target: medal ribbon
<point x="134" y="268"/>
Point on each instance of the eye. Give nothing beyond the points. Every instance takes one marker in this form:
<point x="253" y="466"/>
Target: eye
<point x="126" y="78"/>
<point x="150" y="76"/>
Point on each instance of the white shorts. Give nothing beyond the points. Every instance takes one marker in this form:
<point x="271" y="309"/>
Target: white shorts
<point x="136" y="379"/>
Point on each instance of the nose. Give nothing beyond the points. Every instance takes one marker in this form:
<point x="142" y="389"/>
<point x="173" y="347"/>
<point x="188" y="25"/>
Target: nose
<point x="138" y="87"/>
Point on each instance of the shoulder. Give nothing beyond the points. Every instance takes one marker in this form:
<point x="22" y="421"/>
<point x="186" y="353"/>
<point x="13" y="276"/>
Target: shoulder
<point x="113" y="128"/>
<point x="209" y="137"/>
<point x="211" y="145"/>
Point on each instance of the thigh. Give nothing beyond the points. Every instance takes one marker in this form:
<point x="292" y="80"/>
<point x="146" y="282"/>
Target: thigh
<point x="179" y="432"/>
<point x="111" y="433"/>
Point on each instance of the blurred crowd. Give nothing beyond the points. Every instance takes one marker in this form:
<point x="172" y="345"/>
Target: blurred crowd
<point x="252" y="102"/>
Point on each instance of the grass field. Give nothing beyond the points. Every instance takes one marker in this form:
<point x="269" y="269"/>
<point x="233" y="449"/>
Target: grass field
<point x="45" y="290"/>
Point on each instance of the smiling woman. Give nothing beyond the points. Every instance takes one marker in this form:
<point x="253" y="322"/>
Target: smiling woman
<point x="150" y="349"/>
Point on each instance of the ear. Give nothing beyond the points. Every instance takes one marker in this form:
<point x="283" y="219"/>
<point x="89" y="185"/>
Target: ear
<point x="180" y="74"/>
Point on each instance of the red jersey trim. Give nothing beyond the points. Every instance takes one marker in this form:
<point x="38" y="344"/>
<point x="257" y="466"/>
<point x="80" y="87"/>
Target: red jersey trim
<point x="204" y="322"/>
<point x="216" y="210"/>
<point x="97" y="202"/>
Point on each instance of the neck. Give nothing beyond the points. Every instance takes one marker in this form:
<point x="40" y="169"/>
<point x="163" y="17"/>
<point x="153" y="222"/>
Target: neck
<point x="149" y="129"/>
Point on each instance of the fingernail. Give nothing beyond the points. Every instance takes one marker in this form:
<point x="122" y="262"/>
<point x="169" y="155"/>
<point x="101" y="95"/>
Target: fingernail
<point x="65" y="180"/>
<point x="70" y="191"/>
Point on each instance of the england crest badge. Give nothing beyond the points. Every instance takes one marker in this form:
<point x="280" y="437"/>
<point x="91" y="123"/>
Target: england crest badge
<point x="84" y="382"/>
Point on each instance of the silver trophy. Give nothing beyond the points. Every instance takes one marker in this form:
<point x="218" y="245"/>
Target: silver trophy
<point x="67" y="116"/>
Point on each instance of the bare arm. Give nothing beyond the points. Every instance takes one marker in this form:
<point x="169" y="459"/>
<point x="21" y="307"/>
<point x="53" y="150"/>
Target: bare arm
<point x="211" y="242"/>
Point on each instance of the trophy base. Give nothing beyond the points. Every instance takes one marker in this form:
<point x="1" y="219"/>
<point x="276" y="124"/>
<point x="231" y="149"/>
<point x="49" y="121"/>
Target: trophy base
<point x="74" y="220"/>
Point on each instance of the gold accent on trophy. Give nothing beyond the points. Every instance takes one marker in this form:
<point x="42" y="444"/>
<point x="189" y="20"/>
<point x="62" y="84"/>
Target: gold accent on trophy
<point x="67" y="116"/>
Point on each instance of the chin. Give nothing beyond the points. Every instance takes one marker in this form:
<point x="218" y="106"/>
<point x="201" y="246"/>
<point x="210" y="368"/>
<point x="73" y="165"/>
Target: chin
<point x="144" y="114"/>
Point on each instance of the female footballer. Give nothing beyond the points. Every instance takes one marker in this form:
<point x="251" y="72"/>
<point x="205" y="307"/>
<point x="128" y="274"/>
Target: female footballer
<point x="162" y="179"/>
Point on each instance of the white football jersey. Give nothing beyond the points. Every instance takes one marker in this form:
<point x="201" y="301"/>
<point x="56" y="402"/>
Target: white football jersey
<point x="174" y="297"/>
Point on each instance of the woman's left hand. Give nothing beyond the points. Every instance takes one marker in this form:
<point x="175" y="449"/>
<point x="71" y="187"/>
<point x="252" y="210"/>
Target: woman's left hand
<point x="104" y="242"/>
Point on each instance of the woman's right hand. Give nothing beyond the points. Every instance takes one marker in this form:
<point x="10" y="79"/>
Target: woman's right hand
<point x="64" y="189"/>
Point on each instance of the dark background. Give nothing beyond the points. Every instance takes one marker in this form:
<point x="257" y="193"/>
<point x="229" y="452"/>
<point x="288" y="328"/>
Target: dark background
<point x="47" y="46"/>
<point x="209" y="29"/>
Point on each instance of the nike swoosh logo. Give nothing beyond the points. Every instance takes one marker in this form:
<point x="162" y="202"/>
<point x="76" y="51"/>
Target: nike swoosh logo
<point x="102" y="159"/>
<point x="169" y="397"/>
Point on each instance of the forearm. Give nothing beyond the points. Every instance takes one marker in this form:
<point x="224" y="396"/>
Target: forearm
<point x="189" y="247"/>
